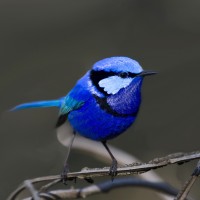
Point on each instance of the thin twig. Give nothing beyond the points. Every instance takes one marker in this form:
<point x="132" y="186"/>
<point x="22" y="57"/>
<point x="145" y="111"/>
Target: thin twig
<point x="106" y="187"/>
<point x="189" y="183"/>
<point x="45" y="187"/>
<point x="176" y="158"/>
<point x="32" y="190"/>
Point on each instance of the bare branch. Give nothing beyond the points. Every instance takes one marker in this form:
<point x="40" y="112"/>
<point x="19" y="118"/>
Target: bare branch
<point x="106" y="187"/>
<point x="189" y="183"/>
<point x="176" y="158"/>
<point x="31" y="189"/>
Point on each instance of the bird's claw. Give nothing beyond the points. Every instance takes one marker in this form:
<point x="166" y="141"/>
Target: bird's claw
<point x="113" y="169"/>
<point x="64" y="178"/>
<point x="64" y="173"/>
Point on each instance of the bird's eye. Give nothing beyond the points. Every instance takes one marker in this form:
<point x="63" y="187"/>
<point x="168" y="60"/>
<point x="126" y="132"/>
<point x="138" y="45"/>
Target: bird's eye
<point x="124" y="74"/>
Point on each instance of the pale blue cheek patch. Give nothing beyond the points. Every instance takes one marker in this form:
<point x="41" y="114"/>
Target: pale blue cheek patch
<point x="113" y="84"/>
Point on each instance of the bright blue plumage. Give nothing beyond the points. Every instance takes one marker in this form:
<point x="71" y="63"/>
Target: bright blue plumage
<point x="104" y="102"/>
<point x="93" y="121"/>
<point x="38" y="104"/>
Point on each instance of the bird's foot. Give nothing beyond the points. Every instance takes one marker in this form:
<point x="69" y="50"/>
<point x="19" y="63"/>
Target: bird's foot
<point x="64" y="173"/>
<point x="113" y="169"/>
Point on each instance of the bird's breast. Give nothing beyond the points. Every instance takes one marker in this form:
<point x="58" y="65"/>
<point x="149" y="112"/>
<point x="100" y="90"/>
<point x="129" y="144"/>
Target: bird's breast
<point x="127" y="100"/>
<point x="97" y="124"/>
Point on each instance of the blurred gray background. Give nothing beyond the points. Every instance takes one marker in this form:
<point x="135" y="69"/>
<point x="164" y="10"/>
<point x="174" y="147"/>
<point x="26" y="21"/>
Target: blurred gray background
<point x="47" y="45"/>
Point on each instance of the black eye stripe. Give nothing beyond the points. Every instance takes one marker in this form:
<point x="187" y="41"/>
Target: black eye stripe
<point x="97" y="76"/>
<point x="104" y="74"/>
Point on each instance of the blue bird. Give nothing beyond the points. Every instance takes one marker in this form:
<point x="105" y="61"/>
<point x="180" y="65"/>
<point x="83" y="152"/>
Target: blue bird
<point x="102" y="104"/>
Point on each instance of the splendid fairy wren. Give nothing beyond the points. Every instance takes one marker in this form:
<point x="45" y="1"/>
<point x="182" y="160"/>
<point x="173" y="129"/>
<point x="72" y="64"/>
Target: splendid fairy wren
<point x="103" y="103"/>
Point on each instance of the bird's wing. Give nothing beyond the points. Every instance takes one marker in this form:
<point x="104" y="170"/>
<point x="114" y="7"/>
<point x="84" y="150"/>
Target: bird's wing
<point x="68" y="104"/>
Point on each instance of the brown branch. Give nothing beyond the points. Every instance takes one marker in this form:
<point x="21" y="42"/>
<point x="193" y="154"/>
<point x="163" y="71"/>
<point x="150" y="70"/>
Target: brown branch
<point x="176" y="158"/>
<point x="31" y="189"/>
<point x="189" y="183"/>
<point x="106" y="187"/>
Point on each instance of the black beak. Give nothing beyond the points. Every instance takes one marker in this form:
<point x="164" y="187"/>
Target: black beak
<point x="147" y="73"/>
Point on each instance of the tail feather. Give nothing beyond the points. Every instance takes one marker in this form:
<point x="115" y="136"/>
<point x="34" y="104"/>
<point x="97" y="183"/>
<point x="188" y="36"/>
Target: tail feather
<point x="38" y="104"/>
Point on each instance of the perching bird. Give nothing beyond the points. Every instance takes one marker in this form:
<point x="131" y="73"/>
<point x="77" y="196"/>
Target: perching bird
<point x="103" y="103"/>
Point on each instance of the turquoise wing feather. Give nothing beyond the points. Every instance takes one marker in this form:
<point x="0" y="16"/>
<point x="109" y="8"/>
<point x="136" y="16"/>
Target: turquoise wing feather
<point x="68" y="104"/>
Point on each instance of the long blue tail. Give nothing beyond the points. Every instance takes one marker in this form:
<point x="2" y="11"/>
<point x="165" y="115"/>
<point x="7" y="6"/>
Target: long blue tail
<point x="38" y="104"/>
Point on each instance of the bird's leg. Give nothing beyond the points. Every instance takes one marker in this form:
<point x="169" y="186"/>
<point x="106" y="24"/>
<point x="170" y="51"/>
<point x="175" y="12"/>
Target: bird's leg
<point x="113" y="167"/>
<point x="66" y="166"/>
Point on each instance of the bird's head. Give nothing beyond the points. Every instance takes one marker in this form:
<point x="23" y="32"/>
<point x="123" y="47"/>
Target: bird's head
<point x="110" y="75"/>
